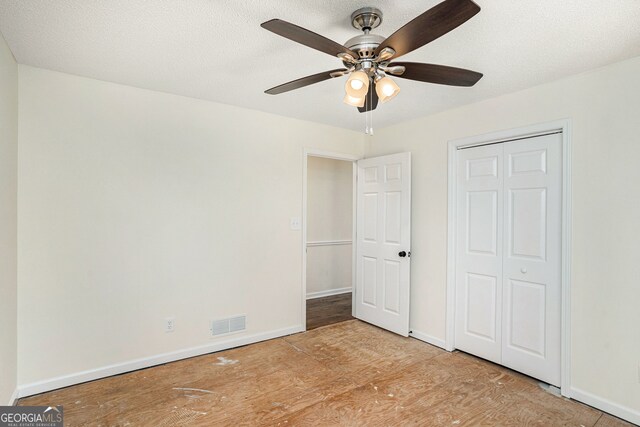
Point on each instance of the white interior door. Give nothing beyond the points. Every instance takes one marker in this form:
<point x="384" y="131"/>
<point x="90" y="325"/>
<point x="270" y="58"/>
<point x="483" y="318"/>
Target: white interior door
<point x="478" y="325"/>
<point x="532" y="263"/>
<point x="384" y="242"/>
<point x="508" y="254"/>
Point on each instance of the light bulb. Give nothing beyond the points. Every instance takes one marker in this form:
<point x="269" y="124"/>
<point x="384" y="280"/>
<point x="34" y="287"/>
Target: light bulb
<point x="356" y="84"/>
<point x="386" y="89"/>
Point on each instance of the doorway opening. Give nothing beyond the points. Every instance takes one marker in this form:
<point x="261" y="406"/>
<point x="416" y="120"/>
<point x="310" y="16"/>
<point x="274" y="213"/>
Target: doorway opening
<point x="328" y="243"/>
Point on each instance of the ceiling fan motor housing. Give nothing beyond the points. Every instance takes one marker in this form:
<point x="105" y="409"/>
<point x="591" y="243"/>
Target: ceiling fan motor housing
<point x="364" y="45"/>
<point x="365" y="19"/>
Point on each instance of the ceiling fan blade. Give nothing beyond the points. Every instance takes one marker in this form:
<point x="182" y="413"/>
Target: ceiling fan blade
<point x="371" y="101"/>
<point x="306" y="37"/>
<point x="432" y="24"/>
<point x="440" y="74"/>
<point x="303" y="81"/>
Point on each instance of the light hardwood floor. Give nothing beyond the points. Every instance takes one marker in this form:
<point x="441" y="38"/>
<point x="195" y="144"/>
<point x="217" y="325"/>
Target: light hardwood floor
<point x="350" y="374"/>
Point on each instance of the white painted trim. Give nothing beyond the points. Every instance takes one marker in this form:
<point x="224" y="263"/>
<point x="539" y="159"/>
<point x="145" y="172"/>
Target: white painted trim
<point x="429" y="339"/>
<point x="509" y="134"/>
<point x="311" y="152"/>
<point x="451" y="247"/>
<point x="606" y="405"/>
<point x="354" y="229"/>
<point x="565" y="126"/>
<point x="133" y="365"/>
<point x="328" y="293"/>
<point x="14" y="398"/>
<point x="329" y="243"/>
<point x="565" y="333"/>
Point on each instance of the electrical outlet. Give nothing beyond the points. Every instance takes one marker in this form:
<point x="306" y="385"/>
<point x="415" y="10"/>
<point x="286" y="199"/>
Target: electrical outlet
<point x="169" y="324"/>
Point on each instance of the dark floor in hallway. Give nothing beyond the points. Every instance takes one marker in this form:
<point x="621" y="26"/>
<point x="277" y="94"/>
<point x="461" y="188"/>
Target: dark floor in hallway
<point x="328" y="310"/>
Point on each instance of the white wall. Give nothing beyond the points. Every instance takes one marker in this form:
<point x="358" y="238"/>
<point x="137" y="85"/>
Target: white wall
<point x="329" y="218"/>
<point x="604" y="107"/>
<point x="137" y="205"/>
<point x="8" y="221"/>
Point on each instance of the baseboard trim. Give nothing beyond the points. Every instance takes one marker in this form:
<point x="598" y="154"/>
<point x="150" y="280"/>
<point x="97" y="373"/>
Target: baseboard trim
<point x="14" y="398"/>
<point x="147" y="362"/>
<point x="606" y="405"/>
<point x="428" y="339"/>
<point x="328" y="293"/>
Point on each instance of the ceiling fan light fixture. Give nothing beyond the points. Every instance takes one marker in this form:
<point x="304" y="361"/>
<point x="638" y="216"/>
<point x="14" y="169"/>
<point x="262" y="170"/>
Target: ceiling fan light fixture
<point x="353" y="101"/>
<point x="357" y="85"/>
<point x="386" y="89"/>
<point x="367" y="57"/>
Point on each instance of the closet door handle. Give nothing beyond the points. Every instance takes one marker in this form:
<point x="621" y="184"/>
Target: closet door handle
<point x="402" y="254"/>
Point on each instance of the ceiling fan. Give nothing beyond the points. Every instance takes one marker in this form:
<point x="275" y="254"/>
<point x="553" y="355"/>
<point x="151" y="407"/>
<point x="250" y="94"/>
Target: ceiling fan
<point x="367" y="57"/>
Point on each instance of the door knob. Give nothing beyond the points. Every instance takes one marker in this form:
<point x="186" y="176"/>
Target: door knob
<point x="523" y="270"/>
<point x="402" y="254"/>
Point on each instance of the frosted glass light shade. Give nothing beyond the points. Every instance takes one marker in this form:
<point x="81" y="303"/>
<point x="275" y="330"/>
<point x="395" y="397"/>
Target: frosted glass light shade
<point x="386" y="89"/>
<point x="353" y="101"/>
<point x="357" y="85"/>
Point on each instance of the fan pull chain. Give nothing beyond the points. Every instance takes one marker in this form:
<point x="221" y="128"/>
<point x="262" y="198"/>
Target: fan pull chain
<point x="368" y="117"/>
<point x="370" y="112"/>
<point x="366" y="123"/>
<point x="366" y="120"/>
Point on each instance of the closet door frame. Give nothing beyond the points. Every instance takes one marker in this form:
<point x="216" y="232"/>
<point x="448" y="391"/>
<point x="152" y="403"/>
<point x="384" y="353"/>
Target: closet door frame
<point x="563" y="126"/>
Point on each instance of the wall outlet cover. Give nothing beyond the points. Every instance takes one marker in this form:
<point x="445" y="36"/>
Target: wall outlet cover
<point x="295" y="223"/>
<point x="169" y="324"/>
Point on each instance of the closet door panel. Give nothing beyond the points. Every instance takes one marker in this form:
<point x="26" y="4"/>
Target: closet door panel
<point x="532" y="270"/>
<point x="479" y="252"/>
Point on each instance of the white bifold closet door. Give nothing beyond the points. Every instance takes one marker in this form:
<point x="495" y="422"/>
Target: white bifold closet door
<point x="508" y="254"/>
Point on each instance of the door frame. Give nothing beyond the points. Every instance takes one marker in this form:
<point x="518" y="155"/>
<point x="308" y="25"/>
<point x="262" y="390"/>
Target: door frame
<point x="563" y="125"/>
<point x="311" y="152"/>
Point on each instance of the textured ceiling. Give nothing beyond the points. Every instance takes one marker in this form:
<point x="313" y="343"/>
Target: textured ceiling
<point x="216" y="50"/>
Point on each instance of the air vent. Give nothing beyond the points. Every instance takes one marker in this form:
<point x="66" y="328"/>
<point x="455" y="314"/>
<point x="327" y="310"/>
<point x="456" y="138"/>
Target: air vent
<point x="229" y="325"/>
<point x="219" y="327"/>
<point x="237" y="323"/>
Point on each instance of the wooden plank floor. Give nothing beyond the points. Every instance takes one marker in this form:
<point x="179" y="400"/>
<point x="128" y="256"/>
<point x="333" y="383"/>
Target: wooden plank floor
<point x="350" y="374"/>
<point x="328" y="310"/>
